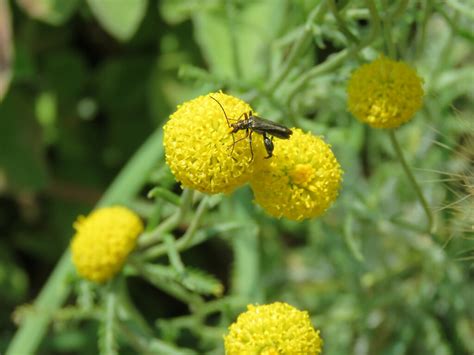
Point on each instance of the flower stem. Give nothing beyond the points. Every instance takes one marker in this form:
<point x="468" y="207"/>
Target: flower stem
<point x="298" y="47"/>
<point x="341" y="23"/>
<point x="108" y="340"/>
<point x="185" y="241"/>
<point x="412" y="179"/>
<point x="127" y="184"/>
<point x="150" y="238"/>
<point x="336" y="59"/>
<point x="191" y="231"/>
<point x="387" y="26"/>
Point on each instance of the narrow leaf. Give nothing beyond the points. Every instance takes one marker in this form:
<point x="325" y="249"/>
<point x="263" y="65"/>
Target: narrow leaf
<point x="120" y="18"/>
<point x="351" y="241"/>
<point x="202" y="282"/>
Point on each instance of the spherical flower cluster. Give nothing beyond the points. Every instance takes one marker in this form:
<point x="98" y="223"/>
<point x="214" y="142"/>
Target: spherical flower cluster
<point x="273" y="329"/>
<point x="199" y="147"/>
<point x="103" y="241"/>
<point x="385" y="93"/>
<point x="300" y="181"/>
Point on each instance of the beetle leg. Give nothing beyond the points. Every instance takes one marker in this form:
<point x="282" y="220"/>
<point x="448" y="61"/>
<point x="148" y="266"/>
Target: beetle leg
<point x="268" y="145"/>
<point x="245" y="114"/>
<point x="250" y="142"/>
<point x="241" y="139"/>
<point x="238" y="140"/>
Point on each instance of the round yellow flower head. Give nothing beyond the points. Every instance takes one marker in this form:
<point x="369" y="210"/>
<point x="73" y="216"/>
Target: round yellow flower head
<point x="300" y="181"/>
<point x="103" y="241"/>
<point x="273" y="329"/>
<point x="198" y="144"/>
<point x="384" y="93"/>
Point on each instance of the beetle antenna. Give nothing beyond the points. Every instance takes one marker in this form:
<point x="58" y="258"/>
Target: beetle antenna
<point x="227" y="118"/>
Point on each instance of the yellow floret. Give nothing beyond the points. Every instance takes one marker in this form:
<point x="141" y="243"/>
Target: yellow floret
<point x="103" y="241"/>
<point x="274" y="329"/>
<point x="198" y="144"/>
<point x="300" y="181"/>
<point x="385" y="93"/>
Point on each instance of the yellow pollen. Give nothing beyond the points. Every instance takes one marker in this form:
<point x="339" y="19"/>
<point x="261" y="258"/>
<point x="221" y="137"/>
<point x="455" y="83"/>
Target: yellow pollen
<point x="270" y="351"/>
<point x="384" y="93"/>
<point x="302" y="174"/>
<point x="103" y="240"/>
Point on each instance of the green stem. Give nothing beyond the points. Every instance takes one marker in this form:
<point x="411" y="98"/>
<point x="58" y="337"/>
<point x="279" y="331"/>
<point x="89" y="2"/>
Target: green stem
<point x="109" y="343"/>
<point x="412" y="179"/>
<point x="458" y="6"/>
<point x="173" y="254"/>
<point x="387" y="33"/>
<point x="421" y="33"/>
<point x="197" y="238"/>
<point x="455" y="26"/>
<point x="139" y="343"/>
<point x="376" y="23"/>
<point x="298" y="48"/>
<point x="165" y="194"/>
<point x="341" y="23"/>
<point x="400" y="10"/>
<point x="186" y="239"/>
<point x="127" y="184"/>
<point x="155" y="216"/>
<point x="337" y="59"/>
<point x="330" y="64"/>
<point x="178" y="291"/>
<point x="153" y="237"/>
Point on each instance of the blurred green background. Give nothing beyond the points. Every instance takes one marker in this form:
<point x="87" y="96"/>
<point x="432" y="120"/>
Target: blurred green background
<point x="84" y="83"/>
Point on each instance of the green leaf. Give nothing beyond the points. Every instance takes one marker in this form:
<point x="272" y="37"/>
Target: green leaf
<point x="6" y="48"/>
<point x="193" y="279"/>
<point x="160" y="276"/>
<point x="175" y="12"/>
<point x="160" y="347"/>
<point x="201" y="282"/>
<point x="54" y="12"/>
<point x="351" y="241"/>
<point x="120" y="18"/>
<point x="107" y="338"/>
<point x="253" y="27"/>
<point x="160" y="192"/>
<point x="212" y="35"/>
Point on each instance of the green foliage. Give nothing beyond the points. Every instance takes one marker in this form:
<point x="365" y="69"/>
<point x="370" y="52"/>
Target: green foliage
<point x="94" y="81"/>
<point x="120" y="18"/>
<point x="20" y="134"/>
<point x="54" y="12"/>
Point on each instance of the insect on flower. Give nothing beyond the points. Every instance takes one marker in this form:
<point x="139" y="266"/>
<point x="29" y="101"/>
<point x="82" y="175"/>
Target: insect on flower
<point x="251" y="124"/>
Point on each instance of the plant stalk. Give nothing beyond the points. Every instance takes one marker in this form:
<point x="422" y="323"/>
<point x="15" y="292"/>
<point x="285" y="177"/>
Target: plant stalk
<point x="411" y="178"/>
<point x="53" y="294"/>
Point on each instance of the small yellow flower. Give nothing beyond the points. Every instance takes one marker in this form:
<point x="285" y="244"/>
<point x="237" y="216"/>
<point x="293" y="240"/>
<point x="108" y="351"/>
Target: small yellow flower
<point x="273" y="329"/>
<point x="198" y="144"/>
<point x="385" y="93"/>
<point x="103" y="241"/>
<point x="300" y="181"/>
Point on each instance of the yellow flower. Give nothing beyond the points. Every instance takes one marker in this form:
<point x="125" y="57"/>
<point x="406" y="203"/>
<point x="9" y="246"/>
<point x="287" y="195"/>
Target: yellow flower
<point x="273" y="329"/>
<point x="385" y="93"/>
<point x="198" y="144"/>
<point x="103" y="241"/>
<point x="300" y="181"/>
